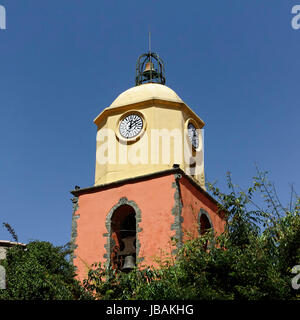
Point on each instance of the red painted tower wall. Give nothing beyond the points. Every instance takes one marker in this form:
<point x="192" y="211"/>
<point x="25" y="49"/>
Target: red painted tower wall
<point x="166" y="205"/>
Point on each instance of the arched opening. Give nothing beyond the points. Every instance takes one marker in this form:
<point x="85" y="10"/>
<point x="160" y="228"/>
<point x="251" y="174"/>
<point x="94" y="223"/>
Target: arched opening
<point x="123" y="238"/>
<point x="205" y="226"/>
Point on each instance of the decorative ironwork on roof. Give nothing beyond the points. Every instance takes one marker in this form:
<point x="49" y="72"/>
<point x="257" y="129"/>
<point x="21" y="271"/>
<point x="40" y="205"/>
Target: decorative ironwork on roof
<point x="150" y="69"/>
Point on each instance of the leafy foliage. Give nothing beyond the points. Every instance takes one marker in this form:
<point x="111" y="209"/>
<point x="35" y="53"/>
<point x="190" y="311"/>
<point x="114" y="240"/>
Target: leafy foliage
<point x="251" y="260"/>
<point x="40" y="272"/>
<point x="11" y="231"/>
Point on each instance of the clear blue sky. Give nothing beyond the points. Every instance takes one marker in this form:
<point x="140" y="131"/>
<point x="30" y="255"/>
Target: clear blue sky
<point x="236" y="63"/>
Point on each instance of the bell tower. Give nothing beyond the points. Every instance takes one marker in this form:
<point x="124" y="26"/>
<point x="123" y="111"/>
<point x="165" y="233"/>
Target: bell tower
<point x="149" y="178"/>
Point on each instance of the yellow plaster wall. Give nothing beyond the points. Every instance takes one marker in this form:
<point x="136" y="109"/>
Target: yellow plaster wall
<point x="158" y="114"/>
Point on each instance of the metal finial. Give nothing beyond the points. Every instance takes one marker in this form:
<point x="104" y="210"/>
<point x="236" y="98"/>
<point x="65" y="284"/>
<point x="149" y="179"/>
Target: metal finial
<point x="151" y="73"/>
<point x="149" y="41"/>
<point x="150" y="67"/>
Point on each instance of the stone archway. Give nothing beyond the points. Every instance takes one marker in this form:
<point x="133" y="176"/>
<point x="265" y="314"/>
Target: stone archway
<point x="122" y="224"/>
<point x="205" y="225"/>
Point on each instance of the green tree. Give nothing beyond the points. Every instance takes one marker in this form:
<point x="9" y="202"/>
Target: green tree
<point x="40" y="271"/>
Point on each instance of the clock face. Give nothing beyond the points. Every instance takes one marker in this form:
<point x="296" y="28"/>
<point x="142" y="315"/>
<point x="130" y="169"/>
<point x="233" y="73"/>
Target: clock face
<point x="193" y="135"/>
<point x="131" y="126"/>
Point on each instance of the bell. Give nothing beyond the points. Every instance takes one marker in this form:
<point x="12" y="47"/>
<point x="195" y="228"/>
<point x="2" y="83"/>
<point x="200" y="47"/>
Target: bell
<point x="149" y="66"/>
<point x="150" y="71"/>
<point x="129" y="263"/>
<point x="129" y="246"/>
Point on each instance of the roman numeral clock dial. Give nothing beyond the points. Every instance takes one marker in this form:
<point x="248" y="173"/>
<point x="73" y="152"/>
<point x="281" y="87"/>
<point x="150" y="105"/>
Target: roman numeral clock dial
<point x="131" y="126"/>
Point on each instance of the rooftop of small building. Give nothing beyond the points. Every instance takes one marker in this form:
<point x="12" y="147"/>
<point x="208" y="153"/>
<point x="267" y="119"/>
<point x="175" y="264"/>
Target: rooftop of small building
<point x="7" y="243"/>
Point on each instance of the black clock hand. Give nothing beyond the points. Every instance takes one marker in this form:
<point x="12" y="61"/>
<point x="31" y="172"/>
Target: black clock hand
<point x="135" y="122"/>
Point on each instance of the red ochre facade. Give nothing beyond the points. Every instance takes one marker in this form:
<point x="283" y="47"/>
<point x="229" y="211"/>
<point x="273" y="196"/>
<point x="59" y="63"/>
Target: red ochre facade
<point x="167" y="204"/>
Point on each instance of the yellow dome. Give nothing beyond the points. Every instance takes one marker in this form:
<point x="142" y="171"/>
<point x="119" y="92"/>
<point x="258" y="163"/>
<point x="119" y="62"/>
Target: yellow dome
<point x="145" y="92"/>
